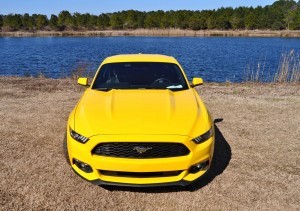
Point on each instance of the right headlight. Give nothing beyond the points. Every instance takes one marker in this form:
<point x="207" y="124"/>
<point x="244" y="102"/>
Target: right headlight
<point x="204" y="137"/>
<point x="78" y="137"/>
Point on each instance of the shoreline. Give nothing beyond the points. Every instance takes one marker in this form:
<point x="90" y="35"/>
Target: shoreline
<point x="156" y="32"/>
<point x="73" y="81"/>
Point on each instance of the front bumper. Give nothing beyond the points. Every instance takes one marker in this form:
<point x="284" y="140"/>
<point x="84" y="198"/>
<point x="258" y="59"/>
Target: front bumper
<point x="198" y="153"/>
<point x="101" y="182"/>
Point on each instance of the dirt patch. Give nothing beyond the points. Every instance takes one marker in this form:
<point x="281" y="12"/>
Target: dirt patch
<point x="256" y="164"/>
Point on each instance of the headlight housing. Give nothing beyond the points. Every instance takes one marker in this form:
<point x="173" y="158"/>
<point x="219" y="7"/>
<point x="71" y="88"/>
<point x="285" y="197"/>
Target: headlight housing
<point x="78" y="137"/>
<point x="204" y="137"/>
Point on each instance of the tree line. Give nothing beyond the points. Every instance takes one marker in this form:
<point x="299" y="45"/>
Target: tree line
<point x="282" y="14"/>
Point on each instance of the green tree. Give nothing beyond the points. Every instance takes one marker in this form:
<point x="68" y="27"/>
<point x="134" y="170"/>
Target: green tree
<point x="282" y="14"/>
<point x="181" y="19"/>
<point x="223" y="16"/>
<point x="12" y="22"/>
<point x="65" y="20"/>
<point x="169" y="19"/>
<point x="78" y="20"/>
<point x="81" y="21"/>
<point x="211" y="21"/>
<point x="263" y="22"/>
<point x="250" y="21"/>
<point x="53" y="22"/>
<point x="141" y="20"/>
<point x="103" y="21"/>
<point x="194" y="23"/>
<point x="165" y="21"/>
<point x="237" y="19"/>
<point x="26" y="22"/>
<point x="1" y="21"/>
<point x="41" y="21"/>
<point x="153" y="19"/>
<point x="222" y="22"/>
<point x="295" y="25"/>
<point x="116" y="21"/>
<point x="197" y="21"/>
<point x="290" y="15"/>
<point x="131" y="19"/>
<point x="92" y="22"/>
<point x="84" y="21"/>
<point x="278" y="25"/>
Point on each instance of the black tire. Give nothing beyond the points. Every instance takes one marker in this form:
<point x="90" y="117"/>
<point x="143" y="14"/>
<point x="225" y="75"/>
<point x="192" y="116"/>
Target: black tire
<point x="65" y="149"/>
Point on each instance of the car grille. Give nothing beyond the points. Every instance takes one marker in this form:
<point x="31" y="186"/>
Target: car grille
<point x="140" y="174"/>
<point x="140" y="150"/>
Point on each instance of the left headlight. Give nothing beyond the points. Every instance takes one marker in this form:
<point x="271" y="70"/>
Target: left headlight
<point x="78" y="137"/>
<point x="204" y="137"/>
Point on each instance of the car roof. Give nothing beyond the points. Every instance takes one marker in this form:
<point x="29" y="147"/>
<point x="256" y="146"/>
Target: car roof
<point x="140" y="58"/>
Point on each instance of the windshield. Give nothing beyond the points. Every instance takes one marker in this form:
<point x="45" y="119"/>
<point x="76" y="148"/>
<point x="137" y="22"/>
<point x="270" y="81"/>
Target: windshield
<point x="140" y="75"/>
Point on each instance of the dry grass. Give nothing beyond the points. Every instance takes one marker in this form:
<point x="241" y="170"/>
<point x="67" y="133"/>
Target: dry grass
<point x="159" y="32"/>
<point x="256" y="163"/>
<point x="288" y="70"/>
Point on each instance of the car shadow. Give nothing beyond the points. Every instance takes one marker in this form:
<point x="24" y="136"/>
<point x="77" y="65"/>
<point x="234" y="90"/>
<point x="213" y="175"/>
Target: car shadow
<point x="221" y="159"/>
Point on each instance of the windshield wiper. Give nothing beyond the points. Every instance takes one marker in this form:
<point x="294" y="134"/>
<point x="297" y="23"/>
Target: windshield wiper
<point x="155" y="88"/>
<point x="104" y="89"/>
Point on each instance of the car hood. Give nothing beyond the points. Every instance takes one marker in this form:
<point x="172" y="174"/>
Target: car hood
<point x="137" y="112"/>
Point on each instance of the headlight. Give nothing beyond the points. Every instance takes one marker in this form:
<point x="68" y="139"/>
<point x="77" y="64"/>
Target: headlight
<point x="204" y="137"/>
<point x="78" y="137"/>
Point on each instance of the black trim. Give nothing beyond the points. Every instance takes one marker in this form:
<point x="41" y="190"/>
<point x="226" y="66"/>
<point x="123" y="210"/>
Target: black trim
<point x="101" y="182"/>
<point x="179" y="183"/>
<point x="140" y="174"/>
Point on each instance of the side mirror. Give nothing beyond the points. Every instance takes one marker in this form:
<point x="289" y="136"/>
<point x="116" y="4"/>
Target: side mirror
<point x="197" y="82"/>
<point x="83" y="81"/>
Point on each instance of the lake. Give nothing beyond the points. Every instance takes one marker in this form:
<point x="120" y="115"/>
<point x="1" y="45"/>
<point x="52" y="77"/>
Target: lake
<point x="216" y="59"/>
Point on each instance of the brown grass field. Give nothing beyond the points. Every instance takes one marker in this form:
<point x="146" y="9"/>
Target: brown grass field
<point x="256" y="163"/>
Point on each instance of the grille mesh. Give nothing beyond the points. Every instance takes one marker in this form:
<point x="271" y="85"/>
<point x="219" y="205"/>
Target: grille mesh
<point x="140" y="150"/>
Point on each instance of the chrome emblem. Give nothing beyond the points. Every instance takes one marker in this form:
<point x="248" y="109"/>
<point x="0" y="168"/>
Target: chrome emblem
<point x="142" y="150"/>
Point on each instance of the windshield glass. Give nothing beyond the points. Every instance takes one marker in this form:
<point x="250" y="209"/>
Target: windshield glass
<point x="140" y="75"/>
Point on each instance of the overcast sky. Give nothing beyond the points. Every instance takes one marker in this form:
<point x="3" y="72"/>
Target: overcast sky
<point x="49" y="7"/>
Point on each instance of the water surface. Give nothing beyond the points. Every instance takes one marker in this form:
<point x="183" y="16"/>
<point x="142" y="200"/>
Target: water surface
<point x="213" y="58"/>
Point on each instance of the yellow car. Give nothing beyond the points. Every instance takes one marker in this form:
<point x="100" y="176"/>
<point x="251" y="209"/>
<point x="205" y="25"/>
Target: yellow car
<point x="140" y="123"/>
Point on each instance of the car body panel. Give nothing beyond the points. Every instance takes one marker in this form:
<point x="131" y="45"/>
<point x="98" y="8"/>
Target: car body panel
<point x="140" y="115"/>
<point x="127" y="111"/>
<point x="200" y="152"/>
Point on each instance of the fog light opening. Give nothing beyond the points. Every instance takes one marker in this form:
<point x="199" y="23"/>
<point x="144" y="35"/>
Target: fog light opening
<point x="82" y="166"/>
<point x="198" y="167"/>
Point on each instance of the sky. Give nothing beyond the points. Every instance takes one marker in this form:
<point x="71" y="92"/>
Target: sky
<point x="96" y="7"/>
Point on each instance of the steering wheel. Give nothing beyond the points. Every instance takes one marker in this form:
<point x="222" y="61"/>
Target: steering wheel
<point x="161" y="80"/>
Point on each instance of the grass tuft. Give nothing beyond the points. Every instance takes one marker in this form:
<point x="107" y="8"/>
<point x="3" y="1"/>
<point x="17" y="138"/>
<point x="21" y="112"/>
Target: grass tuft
<point x="288" y="70"/>
<point x="82" y="70"/>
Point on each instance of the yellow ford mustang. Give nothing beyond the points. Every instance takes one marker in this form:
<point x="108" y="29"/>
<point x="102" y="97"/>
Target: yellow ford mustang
<point x="140" y="123"/>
